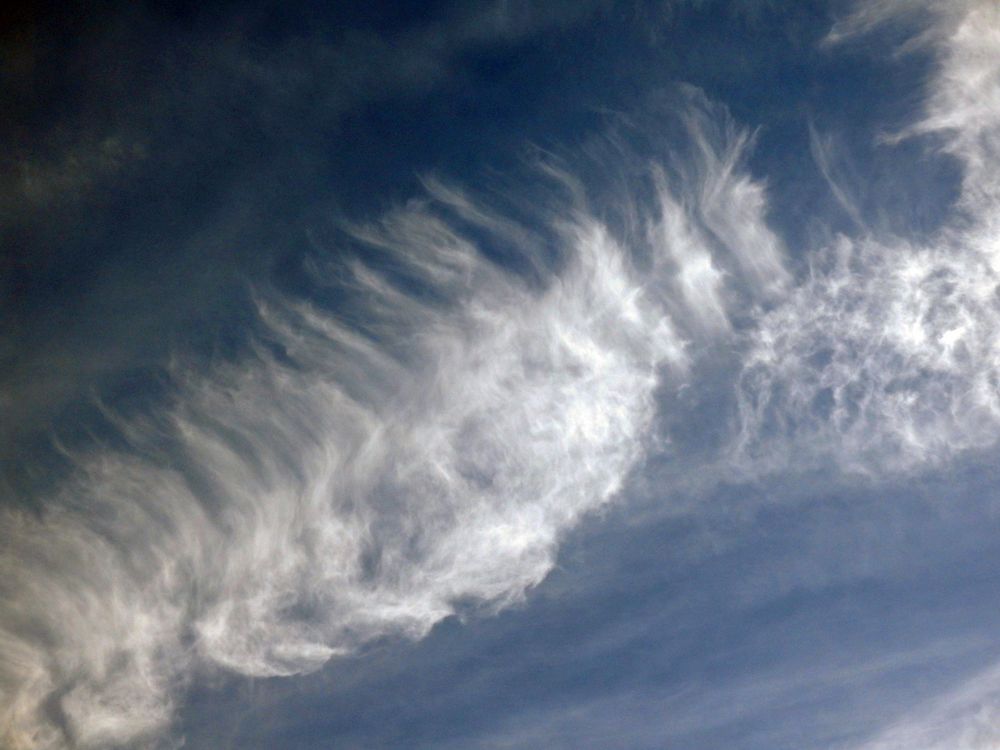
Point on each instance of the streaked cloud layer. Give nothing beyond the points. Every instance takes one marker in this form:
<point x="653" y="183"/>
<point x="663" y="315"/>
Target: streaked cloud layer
<point x="464" y="377"/>
<point x="347" y="482"/>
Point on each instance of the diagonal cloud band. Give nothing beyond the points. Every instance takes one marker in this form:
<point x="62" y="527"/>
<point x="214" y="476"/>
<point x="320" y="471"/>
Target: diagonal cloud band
<point x="364" y="476"/>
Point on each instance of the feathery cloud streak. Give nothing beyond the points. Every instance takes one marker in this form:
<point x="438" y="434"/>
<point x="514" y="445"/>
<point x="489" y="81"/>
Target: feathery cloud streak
<point x="352" y="481"/>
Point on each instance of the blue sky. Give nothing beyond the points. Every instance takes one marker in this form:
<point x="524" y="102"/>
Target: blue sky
<point x="500" y="375"/>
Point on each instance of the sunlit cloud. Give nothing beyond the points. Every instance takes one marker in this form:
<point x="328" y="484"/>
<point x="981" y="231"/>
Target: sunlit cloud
<point x="354" y="480"/>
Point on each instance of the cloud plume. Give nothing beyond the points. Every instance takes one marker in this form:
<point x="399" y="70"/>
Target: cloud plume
<point x="362" y="474"/>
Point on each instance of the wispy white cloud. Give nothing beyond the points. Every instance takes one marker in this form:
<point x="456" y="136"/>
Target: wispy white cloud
<point x="887" y="355"/>
<point x="350" y="481"/>
<point x="823" y="150"/>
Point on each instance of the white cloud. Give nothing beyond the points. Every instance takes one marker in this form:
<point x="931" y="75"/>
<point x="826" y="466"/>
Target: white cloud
<point x="289" y="507"/>
<point x="887" y="356"/>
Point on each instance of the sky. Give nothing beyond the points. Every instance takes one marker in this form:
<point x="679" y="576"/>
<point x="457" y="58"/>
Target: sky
<point x="500" y="374"/>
